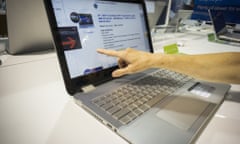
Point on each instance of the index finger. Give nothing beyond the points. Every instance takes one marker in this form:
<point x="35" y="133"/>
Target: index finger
<point x="109" y="52"/>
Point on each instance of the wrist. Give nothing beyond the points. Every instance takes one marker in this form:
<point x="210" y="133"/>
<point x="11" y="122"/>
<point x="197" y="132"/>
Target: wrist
<point x="160" y="60"/>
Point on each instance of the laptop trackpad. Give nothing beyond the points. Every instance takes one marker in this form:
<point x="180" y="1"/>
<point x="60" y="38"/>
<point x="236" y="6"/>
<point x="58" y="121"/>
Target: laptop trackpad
<point x="182" y="112"/>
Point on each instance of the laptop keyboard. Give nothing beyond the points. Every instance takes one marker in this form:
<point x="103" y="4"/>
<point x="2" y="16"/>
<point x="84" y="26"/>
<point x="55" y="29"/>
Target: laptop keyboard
<point x="131" y="100"/>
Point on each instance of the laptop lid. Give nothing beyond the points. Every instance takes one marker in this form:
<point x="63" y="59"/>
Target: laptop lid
<point x="154" y="10"/>
<point x="28" y="28"/>
<point x="79" y="27"/>
<point x="218" y="21"/>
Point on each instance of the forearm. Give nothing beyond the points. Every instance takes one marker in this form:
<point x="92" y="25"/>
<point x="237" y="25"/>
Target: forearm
<point x="221" y="67"/>
<point x="213" y="67"/>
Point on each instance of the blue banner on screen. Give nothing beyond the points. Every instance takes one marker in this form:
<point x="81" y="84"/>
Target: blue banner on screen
<point x="231" y="9"/>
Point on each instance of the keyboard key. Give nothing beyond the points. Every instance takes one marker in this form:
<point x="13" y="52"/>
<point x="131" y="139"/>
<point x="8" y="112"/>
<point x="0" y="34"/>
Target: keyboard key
<point x="107" y="106"/>
<point x="132" y="115"/>
<point x="113" y="110"/>
<point x="100" y="103"/>
<point x="122" y="105"/>
<point x="137" y="111"/>
<point x="143" y="108"/>
<point x="125" y="120"/>
<point x="153" y="101"/>
<point x="132" y="107"/>
<point x="121" y="113"/>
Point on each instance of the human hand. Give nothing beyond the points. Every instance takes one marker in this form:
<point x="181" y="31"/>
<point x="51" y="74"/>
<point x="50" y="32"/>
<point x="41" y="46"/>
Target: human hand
<point x="129" y="60"/>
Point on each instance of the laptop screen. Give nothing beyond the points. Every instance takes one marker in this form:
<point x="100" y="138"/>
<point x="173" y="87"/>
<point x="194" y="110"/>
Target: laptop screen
<point x="85" y="25"/>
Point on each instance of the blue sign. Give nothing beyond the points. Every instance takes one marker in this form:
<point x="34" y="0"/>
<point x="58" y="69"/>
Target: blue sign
<point x="217" y="2"/>
<point x="231" y="9"/>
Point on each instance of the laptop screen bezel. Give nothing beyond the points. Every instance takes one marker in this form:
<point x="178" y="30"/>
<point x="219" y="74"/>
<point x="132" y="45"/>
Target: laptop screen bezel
<point x="74" y="85"/>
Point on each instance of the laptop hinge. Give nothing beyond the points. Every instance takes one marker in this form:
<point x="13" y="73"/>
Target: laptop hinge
<point x="88" y="88"/>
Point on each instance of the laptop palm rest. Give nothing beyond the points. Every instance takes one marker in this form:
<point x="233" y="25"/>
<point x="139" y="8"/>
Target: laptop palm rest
<point x="182" y="112"/>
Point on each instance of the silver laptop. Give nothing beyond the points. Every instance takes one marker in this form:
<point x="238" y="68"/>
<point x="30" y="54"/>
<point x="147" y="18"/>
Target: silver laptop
<point x="220" y="27"/>
<point x="150" y="107"/>
<point x="28" y="28"/>
<point x="156" y="9"/>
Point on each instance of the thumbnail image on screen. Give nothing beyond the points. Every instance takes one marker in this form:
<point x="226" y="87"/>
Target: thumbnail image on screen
<point x="70" y="38"/>
<point x="85" y="20"/>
